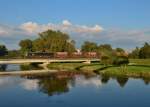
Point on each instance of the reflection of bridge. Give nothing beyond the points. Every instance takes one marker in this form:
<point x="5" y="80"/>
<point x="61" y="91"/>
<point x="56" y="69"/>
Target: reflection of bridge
<point x="21" y="61"/>
<point x="30" y="72"/>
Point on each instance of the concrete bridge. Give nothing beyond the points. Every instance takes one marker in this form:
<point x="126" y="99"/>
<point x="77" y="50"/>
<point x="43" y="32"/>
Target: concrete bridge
<point x="47" y="61"/>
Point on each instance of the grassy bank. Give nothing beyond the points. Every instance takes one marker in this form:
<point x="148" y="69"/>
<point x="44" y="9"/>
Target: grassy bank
<point x="140" y="61"/>
<point x="131" y="71"/>
<point x="137" y="68"/>
<point x="74" y="66"/>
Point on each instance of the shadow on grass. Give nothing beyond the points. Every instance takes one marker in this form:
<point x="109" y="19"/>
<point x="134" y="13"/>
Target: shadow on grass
<point x="140" y="65"/>
<point x="103" y="68"/>
<point x="79" y="67"/>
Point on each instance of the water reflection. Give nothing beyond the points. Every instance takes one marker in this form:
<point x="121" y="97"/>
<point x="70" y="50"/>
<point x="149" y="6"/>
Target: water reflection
<point x="18" y="67"/>
<point x="52" y="86"/>
<point x="30" y="85"/>
<point x="122" y="81"/>
<point x="3" y="67"/>
<point x="60" y="83"/>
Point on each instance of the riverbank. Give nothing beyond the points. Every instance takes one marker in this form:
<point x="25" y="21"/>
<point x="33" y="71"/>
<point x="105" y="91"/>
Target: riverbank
<point x="136" y="68"/>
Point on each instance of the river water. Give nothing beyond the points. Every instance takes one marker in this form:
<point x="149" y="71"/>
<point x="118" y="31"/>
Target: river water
<point x="73" y="90"/>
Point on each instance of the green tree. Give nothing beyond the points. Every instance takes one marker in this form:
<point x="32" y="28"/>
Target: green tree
<point x="53" y="41"/>
<point x="105" y="50"/>
<point x="121" y="61"/>
<point x="26" y="46"/>
<point x="106" y="60"/>
<point x="145" y="51"/>
<point x="120" y="50"/>
<point x="89" y="47"/>
<point x="3" y="50"/>
<point x="135" y="53"/>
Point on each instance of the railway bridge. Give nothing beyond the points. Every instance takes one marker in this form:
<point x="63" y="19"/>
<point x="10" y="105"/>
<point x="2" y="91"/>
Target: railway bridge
<point x="47" y="61"/>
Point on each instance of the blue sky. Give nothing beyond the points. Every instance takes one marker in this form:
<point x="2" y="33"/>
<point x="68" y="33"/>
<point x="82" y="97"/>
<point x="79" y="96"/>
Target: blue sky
<point x="118" y="18"/>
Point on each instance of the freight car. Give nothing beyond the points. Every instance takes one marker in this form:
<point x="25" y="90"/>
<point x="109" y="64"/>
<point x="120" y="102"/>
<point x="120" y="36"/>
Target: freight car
<point x="62" y="55"/>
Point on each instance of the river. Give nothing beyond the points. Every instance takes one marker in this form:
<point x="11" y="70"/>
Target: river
<point x="73" y="90"/>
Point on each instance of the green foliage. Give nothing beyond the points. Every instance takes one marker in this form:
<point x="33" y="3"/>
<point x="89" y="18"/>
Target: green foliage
<point x="106" y="60"/>
<point x="13" y="54"/>
<point x="119" y="50"/>
<point x="26" y="46"/>
<point x="135" y="53"/>
<point x="89" y="47"/>
<point x="142" y="53"/>
<point x="3" y="50"/>
<point x="145" y="51"/>
<point x="121" y="60"/>
<point x="49" y="41"/>
<point x="105" y="50"/>
<point x="53" y="41"/>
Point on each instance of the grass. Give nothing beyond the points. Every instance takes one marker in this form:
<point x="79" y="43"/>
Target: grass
<point x="140" y="61"/>
<point x="75" y="66"/>
<point x="64" y="66"/>
<point x="136" y="68"/>
<point x="133" y="71"/>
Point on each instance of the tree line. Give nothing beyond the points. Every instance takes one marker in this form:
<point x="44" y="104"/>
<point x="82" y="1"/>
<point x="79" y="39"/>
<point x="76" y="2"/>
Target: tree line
<point x="56" y="41"/>
<point x="141" y="53"/>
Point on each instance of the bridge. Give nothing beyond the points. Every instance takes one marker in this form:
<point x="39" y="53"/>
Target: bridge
<point x="47" y="61"/>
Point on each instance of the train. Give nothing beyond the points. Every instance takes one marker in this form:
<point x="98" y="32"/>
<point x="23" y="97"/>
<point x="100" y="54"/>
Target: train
<point x="62" y="55"/>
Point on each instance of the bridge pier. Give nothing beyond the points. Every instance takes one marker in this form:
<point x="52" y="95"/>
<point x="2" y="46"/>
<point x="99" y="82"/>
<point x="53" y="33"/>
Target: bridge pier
<point x="44" y="65"/>
<point x="87" y="62"/>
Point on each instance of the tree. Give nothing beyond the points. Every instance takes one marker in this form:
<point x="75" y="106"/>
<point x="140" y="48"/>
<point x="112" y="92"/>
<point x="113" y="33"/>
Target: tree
<point x="89" y="47"/>
<point x="26" y="46"/>
<point x="135" y="53"/>
<point x="119" y="50"/>
<point x="13" y="54"/>
<point x="106" y="60"/>
<point x="105" y="50"/>
<point x="145" y="51"/>
<point x="3" y="50"/>
<point x="53" y="41"/>
<point x="121" y="61"/>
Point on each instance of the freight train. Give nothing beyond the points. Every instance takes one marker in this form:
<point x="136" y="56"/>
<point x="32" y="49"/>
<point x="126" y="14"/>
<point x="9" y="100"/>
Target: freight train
<point x="62" y="55"/>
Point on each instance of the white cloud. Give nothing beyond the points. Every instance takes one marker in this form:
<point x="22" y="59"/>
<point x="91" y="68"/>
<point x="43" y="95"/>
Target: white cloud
<point x="66" y="26"/>
<point x="66" y="23"/>
<point x="29" y="27"/>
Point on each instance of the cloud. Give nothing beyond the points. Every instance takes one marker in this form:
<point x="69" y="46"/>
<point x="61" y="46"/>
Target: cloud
<point x="29" y="27"/>
<point x="66" y="26"/>
<point x="11" y="35"/>
<point x="66" y="23"/>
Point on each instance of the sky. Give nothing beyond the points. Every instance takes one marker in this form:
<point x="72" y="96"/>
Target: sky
<point x="121" y="23"/>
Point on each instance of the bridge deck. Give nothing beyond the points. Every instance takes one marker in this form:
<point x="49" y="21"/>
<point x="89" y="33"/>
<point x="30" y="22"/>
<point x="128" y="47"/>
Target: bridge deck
<point x="19" y="61"/>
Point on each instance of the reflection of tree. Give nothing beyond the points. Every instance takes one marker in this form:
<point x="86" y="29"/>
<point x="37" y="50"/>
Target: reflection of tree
<point x="122" y="80"/>
<point x="53" y="86"/>
<point x="105" y="79"/>
<point x="33" y="66"/>
<point x="3" y="67"/>
<point x="146" y="80"/>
